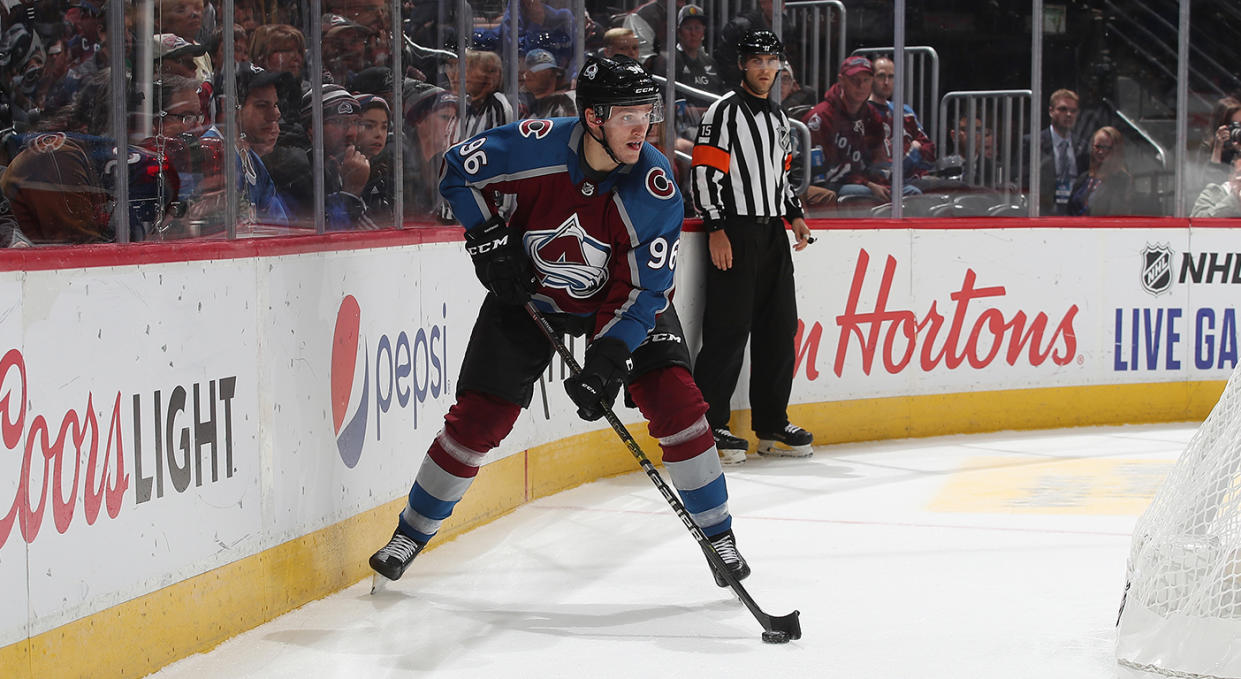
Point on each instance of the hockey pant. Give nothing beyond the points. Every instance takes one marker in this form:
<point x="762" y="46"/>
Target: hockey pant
<point x="478" y="422"/>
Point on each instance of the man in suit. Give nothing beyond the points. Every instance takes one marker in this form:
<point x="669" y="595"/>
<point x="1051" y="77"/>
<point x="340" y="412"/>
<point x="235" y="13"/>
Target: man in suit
<point x="1064" y="155"/>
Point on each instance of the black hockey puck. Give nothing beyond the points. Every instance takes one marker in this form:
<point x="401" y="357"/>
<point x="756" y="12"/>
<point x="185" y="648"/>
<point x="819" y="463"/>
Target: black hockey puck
<point x="776" y="637"/>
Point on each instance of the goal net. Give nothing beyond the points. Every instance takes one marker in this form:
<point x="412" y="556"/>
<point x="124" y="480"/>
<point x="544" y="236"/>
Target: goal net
<point x="1181" y="612"/>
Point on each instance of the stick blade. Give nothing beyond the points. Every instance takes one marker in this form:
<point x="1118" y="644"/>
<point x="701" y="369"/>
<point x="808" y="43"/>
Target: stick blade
<point x="786" y="624"/>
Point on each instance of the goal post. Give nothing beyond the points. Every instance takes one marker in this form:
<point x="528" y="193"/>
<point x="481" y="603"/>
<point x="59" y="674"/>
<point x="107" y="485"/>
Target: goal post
<point x="1180" y="615"/>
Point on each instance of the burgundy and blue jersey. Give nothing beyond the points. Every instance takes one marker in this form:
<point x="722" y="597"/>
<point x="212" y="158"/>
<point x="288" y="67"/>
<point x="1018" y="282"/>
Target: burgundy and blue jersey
<point x="605" y="247"/>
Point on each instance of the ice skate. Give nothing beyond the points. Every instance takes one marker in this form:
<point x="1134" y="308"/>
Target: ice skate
<point x="792" y="441"/>
<point x="731" y="448"/>
<point x="393" y="558"/>
<point x="726" y="546"/>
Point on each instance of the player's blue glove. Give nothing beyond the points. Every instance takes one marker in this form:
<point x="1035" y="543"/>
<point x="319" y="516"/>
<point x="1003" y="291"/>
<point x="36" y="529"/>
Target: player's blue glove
<point x="605" y="369"/>
<point x="499" y="261"/>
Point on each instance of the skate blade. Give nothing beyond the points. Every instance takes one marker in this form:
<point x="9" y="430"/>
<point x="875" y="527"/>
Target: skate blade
<point x="379" y="584"/>
<point x="777" y="449"/>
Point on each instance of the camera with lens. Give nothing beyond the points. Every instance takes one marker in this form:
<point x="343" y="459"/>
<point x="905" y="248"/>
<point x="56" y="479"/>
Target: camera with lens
<point x="1234" y="133"/>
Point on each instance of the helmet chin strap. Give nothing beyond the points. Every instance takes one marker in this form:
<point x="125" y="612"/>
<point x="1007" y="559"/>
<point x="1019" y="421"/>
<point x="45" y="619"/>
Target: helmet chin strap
<point x="603" y="141"/>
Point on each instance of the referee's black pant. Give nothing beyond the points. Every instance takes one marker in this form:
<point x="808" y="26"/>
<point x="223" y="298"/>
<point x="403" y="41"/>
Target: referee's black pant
<point x="756" y="294"/>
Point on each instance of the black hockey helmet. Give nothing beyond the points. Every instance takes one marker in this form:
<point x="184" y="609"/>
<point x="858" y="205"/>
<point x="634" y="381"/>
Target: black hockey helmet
<point x="759" y="41"/>
<point x="605" y="82"/>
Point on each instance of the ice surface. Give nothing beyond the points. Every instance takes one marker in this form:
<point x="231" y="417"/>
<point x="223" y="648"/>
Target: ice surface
<point x="988" y="556"/>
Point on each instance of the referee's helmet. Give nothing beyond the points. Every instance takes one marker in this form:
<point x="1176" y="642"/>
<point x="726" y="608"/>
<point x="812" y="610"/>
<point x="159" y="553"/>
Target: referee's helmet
<point x="759" y="41"/>
<point x="605" y="82"/>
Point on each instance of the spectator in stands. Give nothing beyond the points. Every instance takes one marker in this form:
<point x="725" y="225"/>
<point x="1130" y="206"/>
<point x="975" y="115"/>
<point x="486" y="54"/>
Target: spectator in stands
<point x="22" y="58"/>
<point x="258" y="118"/>
<point x="794" y="99"/>
<point x="345" y="170"/>
<point x="848" y="133"/>
<point x="184" y="18"/>
<point x="177" y="123"/>
<point x="59" y="186"/>
<point x="694" y="67"/>
<point x="649" y="22"/>
<point x="374" y="15"/>
<point x="241" y="45"/>
<point x="620" y="41"/>
<point x="540" y="98"/>
<point x="372" y="142"/>
<point x="344" y="47"/>
<point x="1218" y="147"/>
<point x="1222" y="199"/>
<point x="488" y="107"/>
<point x="431" y="129"/>
<point x="175" y="56"/>
<point x="281" y="47"/>
<point x="982" y="166"/>
<point x="919" y="150"/>
<point x="176" y="108"/>
<point x="1106" y="188"/>
<point x="1065" y="154"/>
<point x="540" y="25"/>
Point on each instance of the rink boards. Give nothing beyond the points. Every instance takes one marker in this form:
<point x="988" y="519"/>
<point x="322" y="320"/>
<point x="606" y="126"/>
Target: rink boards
<point x="197" y="438"/>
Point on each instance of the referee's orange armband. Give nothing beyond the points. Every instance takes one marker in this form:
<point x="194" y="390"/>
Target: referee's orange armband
<point x="711" y="156"/>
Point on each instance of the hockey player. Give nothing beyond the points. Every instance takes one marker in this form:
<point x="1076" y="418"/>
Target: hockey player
<point x="592" y="241"/>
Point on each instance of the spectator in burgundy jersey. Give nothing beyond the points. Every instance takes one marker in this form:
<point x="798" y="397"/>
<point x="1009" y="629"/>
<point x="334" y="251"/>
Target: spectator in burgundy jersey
<point x="849" y="135"/>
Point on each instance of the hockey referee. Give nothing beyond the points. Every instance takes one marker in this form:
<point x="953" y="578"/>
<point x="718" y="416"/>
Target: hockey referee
<point x="742" y="190"/>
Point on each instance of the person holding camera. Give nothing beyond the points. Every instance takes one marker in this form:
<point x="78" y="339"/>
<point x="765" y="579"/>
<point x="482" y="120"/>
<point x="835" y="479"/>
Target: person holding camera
<point x="1221" y="175"/>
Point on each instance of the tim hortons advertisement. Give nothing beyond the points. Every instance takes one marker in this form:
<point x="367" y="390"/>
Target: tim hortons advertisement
<point x="128" y="446"/>
<point x="942" y="311"/>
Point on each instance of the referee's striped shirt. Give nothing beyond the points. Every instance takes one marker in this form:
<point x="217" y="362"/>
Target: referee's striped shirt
<point x="741" y="161"/>
<point x="493" y="111"/>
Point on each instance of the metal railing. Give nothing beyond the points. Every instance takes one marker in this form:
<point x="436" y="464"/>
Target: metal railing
<point x="810" y="26"/>
<point x="1161" y="154"/>
<point x="921" y="79"/>
<point x="990" y="149"/>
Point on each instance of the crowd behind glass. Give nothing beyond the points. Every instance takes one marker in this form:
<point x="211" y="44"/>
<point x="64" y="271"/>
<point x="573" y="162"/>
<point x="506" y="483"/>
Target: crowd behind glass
<point x="58" y="152"/>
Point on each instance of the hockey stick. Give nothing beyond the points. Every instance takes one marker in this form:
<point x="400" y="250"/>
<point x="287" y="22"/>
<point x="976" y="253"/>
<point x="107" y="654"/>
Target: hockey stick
<point x="777" y="630"/>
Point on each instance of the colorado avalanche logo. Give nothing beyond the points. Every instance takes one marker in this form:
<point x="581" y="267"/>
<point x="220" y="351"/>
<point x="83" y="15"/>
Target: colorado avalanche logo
<point x="1157" y="268"/>
<point x="535" y="128"/>
<point x="569" y="259"/>
<point x="591" y="71"/>
<point x="347" y="374"/>
<point x="659" y="185"/>
<point x="46" y="143"/>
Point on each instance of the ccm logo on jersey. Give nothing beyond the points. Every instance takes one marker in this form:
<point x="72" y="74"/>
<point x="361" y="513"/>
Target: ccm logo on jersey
<point x="659" y="185"/>
<point x="535" y="128"/>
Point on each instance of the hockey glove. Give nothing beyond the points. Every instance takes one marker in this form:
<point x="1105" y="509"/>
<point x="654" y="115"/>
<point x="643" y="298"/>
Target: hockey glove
<point x="499" y="261"/>
<point x="606" y="367"/>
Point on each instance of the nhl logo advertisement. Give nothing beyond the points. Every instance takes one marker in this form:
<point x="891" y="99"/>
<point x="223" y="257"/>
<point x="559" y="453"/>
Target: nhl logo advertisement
<point x="129" y="442"/>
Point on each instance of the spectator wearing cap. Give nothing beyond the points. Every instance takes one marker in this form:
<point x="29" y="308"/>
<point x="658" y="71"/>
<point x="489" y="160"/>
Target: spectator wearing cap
<point x="372" y="142"/>
<point x="849" y="135"/>
<point x="175" y="55"/>
<point x="374" y="15"/>
<point x="694" y="67"/>
<point x="184" y="18"/>
<point x="918" y="150"/>
<point x="345" y="170"/>
<point x="258" y="118"/>
<point x="431" y="127"/>
<point x="344" y="47"/>
<point x="540" y="97"/>
<point x="488" y="107"/>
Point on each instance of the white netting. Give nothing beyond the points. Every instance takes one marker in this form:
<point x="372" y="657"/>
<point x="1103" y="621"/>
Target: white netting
<point x="1182" y="610"/>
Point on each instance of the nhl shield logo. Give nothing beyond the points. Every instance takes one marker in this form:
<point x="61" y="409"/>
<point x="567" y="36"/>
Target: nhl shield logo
<point x="1157" y="268"/>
